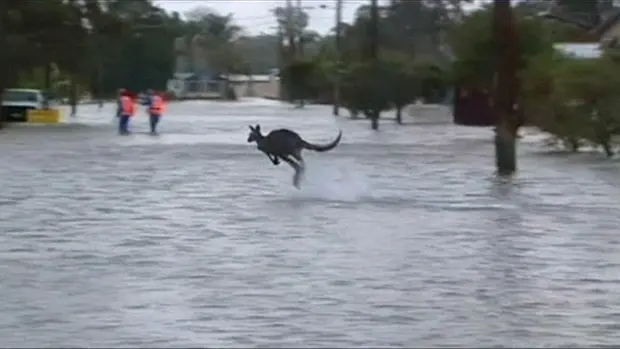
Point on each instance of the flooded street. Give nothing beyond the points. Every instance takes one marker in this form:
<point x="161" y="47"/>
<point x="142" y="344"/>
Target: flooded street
<point x="399" y="238"/>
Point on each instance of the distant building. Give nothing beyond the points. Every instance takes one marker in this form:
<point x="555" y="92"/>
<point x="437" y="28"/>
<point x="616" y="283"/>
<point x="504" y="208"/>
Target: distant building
<point x="192" y="76"/>
<point x="606" y="34"/>
<point x="194" y="86"/>
<point x="579" y="49"/>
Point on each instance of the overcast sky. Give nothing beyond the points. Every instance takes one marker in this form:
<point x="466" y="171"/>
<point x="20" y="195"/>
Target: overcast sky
<point x="255" y="15"/>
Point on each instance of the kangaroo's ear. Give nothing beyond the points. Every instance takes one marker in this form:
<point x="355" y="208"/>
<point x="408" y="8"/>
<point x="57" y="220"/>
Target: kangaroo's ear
<point x="251" y="128"/>
<point x="257" y="127"/>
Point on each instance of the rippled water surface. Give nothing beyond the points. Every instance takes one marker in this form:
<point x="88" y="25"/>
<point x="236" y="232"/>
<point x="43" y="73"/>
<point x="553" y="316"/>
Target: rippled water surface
<point x="397" y="238"/>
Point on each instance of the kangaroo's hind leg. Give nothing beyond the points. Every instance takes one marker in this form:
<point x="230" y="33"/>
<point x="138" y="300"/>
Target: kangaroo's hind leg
<point x="298" y="170"/>
<point x="300" y="160"/>
<point x="296" y="154"/>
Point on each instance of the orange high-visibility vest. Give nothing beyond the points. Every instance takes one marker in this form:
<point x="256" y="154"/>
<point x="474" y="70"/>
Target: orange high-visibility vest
<point x="127" y="106"/>
<point x="157" y="105"/>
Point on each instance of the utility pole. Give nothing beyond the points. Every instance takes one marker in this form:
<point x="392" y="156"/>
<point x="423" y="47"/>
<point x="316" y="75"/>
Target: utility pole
<point x="373" y="33"/>
<point x="282" y="59"/>
<point x="506" y="87"/>
<point x="373" y="56"/>
<point x="337" y="78"/>
<point x="290" y="31"/>
<point x="3" y="55"/>
<point x="299" y="29"/>
<point x="291" y="51"/>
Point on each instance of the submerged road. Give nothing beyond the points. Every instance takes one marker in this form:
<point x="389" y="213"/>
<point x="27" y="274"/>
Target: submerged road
<point x="398" y="238"/>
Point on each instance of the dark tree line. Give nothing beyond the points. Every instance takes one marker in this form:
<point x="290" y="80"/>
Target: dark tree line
<point x="98" y="46"/>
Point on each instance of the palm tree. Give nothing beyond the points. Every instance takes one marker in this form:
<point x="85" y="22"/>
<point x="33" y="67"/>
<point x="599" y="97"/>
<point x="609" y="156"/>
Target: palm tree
<point x="218" y="35"/>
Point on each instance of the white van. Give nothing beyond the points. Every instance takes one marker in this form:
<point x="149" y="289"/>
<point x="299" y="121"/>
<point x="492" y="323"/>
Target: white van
<point x="17" y="101"/>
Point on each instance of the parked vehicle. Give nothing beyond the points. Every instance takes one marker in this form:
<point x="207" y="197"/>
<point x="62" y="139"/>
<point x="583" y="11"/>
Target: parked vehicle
<point x="16" y="102"/>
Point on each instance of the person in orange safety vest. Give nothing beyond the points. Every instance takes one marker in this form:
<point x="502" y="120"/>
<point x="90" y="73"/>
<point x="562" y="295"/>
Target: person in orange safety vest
<point x="126" y="111"/>
<point x="156" y="108"/>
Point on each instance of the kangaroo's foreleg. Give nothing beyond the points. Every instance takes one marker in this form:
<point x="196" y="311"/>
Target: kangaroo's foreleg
<point x="273" y="158"/>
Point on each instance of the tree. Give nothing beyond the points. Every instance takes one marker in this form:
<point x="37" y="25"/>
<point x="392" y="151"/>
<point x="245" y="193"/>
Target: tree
<point x="363" y="90"/>
<point x="218" y="34"/>
<point x="47" y="40"/>
<point x="547" y="107"/>
<point x="575" y="100"/>
<point x="475" y="50"/>
<point x="299" y="75"/>
<point x="434" y="81"/>
<point x="294" y="22"/>
<point x="417" y="27"/>
<point x="590" y="13"/>
<point x="401" y="82"/>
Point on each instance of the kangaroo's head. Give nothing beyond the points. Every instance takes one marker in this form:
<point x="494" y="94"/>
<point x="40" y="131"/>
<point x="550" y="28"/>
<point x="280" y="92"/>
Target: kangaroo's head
<point x="255" y="134"/>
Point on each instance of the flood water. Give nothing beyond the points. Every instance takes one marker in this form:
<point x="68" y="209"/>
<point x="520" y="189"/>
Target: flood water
<point x="399" y="238"/>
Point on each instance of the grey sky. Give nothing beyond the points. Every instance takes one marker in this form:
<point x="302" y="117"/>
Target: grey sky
<point x="255" y="15"/>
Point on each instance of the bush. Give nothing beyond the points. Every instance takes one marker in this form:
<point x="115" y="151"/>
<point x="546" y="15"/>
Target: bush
<point x="433" y="81"/>
<point x="475" y="50"/>
<point x="402" y="86"/>
<point x="297" y="79"/>
<point x="575" y="100"/>
<point x="364" y="90"/>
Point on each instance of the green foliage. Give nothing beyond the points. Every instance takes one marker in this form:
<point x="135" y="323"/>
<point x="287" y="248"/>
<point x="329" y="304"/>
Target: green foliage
<point x="363" y="90"/>
<point x="575" y="100"/>
<point x="434" y="81"/>
<point x="298" y="79"/>
<point x="400" y="81"/>
<point x="108" y="44"/>
<point x="475" y="50"/>
<point x="324" y="77"/>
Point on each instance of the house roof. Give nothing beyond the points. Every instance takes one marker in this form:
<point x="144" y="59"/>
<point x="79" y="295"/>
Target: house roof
<point x="607" y="24"/>
<point x="591" y="33"/>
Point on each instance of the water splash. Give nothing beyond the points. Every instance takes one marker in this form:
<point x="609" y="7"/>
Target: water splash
<point x="325" y="181"/>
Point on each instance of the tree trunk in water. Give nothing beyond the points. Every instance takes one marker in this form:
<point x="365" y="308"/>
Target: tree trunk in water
<point x="506" y="87"/>
<point x="48" y="76"/>
<point x="399" y="115"/>
<point x="281" y="64"/>
<point x="336" y="105"/>
<point x="373" y="56"/>
<point x="73" y="92"/>
<point x="48" y="84"/>
<point x="608" y="150"/>
<point x="374" y="120"/>
<point x="3" y="57"/>
<point x="2" y="115"/>
<point x="505" y="151"/>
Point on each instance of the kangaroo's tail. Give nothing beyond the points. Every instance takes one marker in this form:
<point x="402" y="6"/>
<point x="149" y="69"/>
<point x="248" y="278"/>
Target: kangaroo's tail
<point x="324" y="147"/>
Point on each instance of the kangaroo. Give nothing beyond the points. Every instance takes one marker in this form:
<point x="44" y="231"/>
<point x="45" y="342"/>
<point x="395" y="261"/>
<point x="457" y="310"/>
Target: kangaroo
<point x="286" y="145"/>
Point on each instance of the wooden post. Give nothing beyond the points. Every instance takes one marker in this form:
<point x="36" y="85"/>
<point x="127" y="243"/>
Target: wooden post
<point x="73" y="96"/>
<point x="300" y="86"/>
<point x="337" y="77"/>
<point x="290" y="32"/>
<point x="282" y="62"/>
<point x="506" y="87"/>
<point x="3" y="55"/>
<point x="373" y="53"/>
<point x="298" y="30"/>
